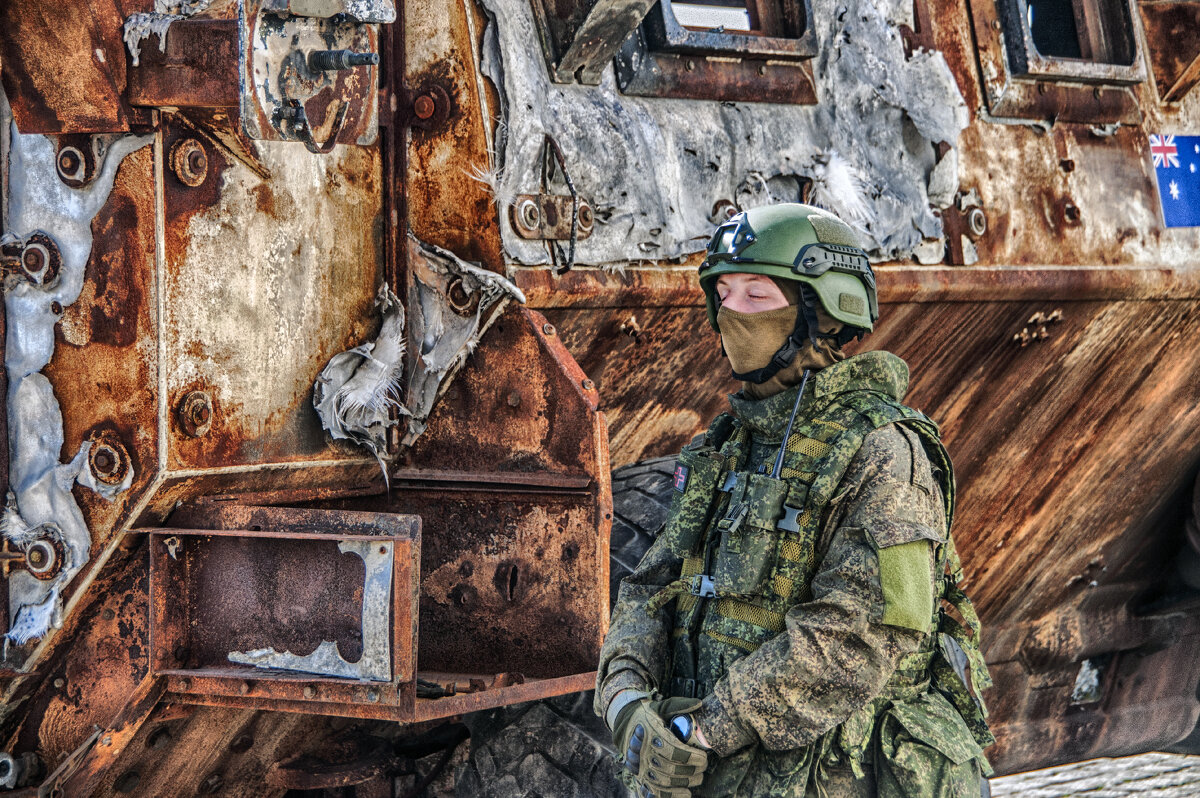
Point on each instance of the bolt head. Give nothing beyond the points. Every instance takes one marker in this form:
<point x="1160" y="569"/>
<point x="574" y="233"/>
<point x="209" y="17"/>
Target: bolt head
<point x="548" y="329"/>
<point x="424" y="106"/>
<point x="977" y="221"/>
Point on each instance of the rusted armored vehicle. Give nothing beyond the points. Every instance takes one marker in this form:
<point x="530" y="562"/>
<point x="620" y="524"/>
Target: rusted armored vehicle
<point x="326" y="322"/>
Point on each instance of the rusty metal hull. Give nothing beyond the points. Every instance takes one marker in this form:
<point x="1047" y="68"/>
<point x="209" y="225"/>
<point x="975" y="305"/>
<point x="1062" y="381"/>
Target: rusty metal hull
<point x="1100" y="404"/>
<point x="1048" y="315"/>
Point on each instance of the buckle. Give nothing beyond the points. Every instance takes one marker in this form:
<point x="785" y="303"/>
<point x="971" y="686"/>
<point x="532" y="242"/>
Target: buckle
<point x="683" y="688"/>
<point x="790" y="520"/>
<point x="702" y="586"/>
<point x="733" y="521"/>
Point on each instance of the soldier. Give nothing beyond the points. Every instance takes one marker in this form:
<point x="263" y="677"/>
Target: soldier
<point x="787" y="633"/>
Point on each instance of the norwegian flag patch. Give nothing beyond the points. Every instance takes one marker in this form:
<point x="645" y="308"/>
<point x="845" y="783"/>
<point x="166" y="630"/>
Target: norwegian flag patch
<point x="681" y="477"/>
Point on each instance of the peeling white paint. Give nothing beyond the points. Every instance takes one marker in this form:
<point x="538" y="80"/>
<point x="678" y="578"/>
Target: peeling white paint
<point x="440" y="338"/>
<point x="40" y="485"/>
<point x="355" y="393"/>
<point x="653" y="169"/>
<point x="139" y="26"/>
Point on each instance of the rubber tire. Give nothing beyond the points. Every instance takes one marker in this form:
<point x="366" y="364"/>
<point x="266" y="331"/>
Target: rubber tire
<point x="558" y="748"/>
<point x="641" y="501"/>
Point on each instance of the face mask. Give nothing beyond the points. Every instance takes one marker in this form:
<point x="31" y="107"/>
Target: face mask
<point x="752" y="339"/>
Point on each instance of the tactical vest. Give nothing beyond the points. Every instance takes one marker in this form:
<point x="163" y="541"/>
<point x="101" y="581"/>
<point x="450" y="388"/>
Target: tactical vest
<point x="749" y="546"/>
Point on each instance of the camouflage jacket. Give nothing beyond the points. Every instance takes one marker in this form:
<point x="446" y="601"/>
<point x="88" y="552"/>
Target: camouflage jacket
<point x="833" y="682"/>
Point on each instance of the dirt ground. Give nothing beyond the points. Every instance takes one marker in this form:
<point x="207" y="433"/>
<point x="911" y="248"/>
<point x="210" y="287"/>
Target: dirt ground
<point x="1158" y="775"/>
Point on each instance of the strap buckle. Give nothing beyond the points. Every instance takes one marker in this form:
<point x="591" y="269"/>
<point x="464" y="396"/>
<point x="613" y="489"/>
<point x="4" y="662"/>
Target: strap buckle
<point x="702" y="585"/>
<point x="790" y="521"/>
<point x="733" y="521"/>
<point x="688" y="688"/>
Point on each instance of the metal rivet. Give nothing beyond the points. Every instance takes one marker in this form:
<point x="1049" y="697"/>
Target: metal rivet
<point x="424" y="106"/>
<point x="548" y="329"/>
<point x="373" y="695"/>
<point x="108" y="459"/>
<point x="690" y="65"/>
<point x="244" y="688"/>
<point x="514" y="399"/>
<point x="60" y="683"/>
<point x="996" y="24"/>
<point x="977" y="221"/>
<point x="588" y="385"/>
<point x="529" y="214"/>
<point x="106" y="740"/>
<point x="310" y="692"/>
<point x="586" y="219"/>
<point x="195" y="413"/>
<point x="189" y="162"/>
<point x="108" y="615"/>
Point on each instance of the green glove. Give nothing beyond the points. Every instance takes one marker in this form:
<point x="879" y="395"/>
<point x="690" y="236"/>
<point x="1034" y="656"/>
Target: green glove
<point x="664" y="766"/>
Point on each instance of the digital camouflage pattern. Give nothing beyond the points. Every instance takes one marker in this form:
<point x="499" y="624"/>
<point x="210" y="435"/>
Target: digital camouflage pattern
<point x="816" y="647"/>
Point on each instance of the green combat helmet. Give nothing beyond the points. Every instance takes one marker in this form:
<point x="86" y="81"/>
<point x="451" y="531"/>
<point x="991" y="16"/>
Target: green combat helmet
<point x="808" y="246"/>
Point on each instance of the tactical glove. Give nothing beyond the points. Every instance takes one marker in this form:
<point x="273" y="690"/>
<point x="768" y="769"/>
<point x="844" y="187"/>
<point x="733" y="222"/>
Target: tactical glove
<point x="664" y="766"/>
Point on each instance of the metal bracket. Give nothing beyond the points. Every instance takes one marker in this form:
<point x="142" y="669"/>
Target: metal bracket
<point x="547" y="217"/>
<point x="544" y="216"/>
<point x="375" y="663"/>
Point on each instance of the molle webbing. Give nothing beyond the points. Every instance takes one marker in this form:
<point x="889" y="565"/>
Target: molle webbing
<point x="816" y="456"/>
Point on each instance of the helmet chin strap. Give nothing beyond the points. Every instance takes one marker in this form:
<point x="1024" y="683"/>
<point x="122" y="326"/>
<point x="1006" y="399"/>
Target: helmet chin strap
<point x="807" y="326"/>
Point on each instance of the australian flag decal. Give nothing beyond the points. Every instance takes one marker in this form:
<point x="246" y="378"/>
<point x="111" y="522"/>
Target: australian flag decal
<point x="681" y="477"/>
<point x="1177" y="167"/>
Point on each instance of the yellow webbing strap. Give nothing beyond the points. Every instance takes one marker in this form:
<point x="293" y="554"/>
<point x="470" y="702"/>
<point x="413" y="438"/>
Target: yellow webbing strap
<point x="783" y="586"/>
<point x="745" y="645"/>
<point x="791" y="473"/>
<point x="809" y="447"/>
<point x="750" y="613"/>
<point x="836" y="427"/>
<point x="692" y="565"/>
<point x="680" y="587"/>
